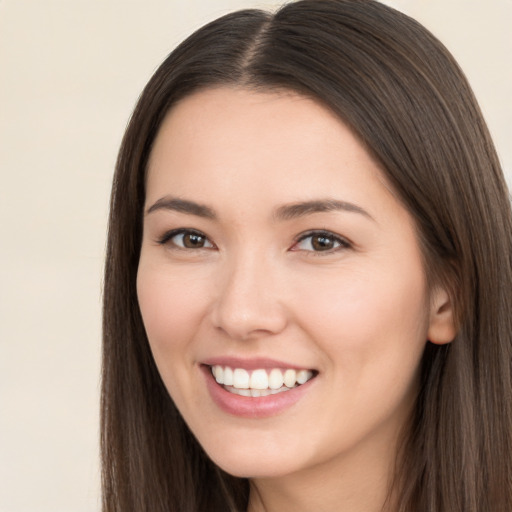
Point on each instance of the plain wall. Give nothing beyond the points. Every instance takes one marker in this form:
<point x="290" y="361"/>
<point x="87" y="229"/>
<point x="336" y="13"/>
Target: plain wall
<point x="70" y="73"/>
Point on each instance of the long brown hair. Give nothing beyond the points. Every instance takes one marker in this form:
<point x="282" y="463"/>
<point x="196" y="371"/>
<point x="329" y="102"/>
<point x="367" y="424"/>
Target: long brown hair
<point x="405" y="97"/>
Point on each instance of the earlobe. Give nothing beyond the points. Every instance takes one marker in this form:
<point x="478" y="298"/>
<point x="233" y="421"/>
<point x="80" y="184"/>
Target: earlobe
<point x="441" y="329"/>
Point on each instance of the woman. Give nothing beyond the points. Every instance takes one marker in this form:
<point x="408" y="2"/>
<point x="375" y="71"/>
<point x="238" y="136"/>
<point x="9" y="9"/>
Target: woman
<point x="308" y="280"/>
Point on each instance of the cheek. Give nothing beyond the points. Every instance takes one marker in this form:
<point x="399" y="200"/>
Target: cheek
<point x="171" y="309"/>
<point x="361" y="315"/>
<point x="372" y="331"/>
<point x="170" y="306"/>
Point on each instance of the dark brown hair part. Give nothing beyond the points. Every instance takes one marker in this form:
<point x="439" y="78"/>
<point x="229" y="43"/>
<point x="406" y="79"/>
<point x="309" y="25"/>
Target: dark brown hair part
<point x="404" y="96"/>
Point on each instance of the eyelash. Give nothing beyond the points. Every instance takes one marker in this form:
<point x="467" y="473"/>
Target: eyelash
<point x="342" y="243"/>
<point x="167" y="237"/>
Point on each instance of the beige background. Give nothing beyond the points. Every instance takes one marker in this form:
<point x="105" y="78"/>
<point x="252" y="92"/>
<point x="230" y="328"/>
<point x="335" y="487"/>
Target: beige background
<point x="70" y="72"/>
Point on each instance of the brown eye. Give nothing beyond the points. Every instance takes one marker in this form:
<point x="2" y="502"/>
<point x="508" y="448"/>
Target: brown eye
<point x="186" y="239"/>
<point x="322" y="241"/>
<point x="193" y="240"/>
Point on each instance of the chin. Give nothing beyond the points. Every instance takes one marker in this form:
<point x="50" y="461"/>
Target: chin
<point x="254" y="468"/>
<point x="256" y="461"/>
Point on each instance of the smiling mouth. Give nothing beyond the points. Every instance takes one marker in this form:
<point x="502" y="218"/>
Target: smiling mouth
<point x="260" y="382"/>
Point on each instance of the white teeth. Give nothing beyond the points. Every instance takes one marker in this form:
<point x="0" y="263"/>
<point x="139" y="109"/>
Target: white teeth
<point x="259" y="382"/>
<point x="290" y="376"/>
<point x="228" y="376"/>
<point x="303" y="376"/>
<point x="240" y="378"/>
<point x="218" y="373"/>
<point x="275" y="379"/>
<point x="255" y="392"/>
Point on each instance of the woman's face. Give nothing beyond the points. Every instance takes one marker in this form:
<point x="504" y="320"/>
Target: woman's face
<point x="274" y="253"/>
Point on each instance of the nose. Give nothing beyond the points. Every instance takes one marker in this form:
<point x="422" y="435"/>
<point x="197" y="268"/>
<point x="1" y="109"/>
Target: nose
<point x="248" y="301"/>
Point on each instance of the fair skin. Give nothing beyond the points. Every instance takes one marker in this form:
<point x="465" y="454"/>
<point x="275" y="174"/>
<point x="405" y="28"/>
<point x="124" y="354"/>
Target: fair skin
<point x="233" y="273"/>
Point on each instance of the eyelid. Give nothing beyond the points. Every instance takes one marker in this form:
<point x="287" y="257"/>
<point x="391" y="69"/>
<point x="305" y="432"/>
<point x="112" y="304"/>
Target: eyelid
<point x="342" y="241"/>
<point x="169" y="235"/>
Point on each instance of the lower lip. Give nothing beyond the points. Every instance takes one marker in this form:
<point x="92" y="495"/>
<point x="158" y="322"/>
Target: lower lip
<point x="253" y="407"/>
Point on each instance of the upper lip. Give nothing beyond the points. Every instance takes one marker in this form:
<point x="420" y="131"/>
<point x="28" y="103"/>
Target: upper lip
<point x="252" y="363"/>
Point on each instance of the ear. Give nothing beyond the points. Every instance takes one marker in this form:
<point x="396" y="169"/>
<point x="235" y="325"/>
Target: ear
<point x="441" y="328"/>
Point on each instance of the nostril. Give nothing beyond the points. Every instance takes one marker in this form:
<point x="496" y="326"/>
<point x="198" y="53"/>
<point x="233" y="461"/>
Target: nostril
<point x="248" y="303"/>
<point x="244" y="326"/>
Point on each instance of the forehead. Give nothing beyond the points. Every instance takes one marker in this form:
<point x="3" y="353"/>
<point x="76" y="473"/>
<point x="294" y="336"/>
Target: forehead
<point x="231" y="143"/>
<point x="218" y="117"/>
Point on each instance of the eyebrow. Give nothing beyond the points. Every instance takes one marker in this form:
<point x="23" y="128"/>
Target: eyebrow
<point x="182" y="206"/>
<point x="283" y="213"/>
<point x="295" y="210"/>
